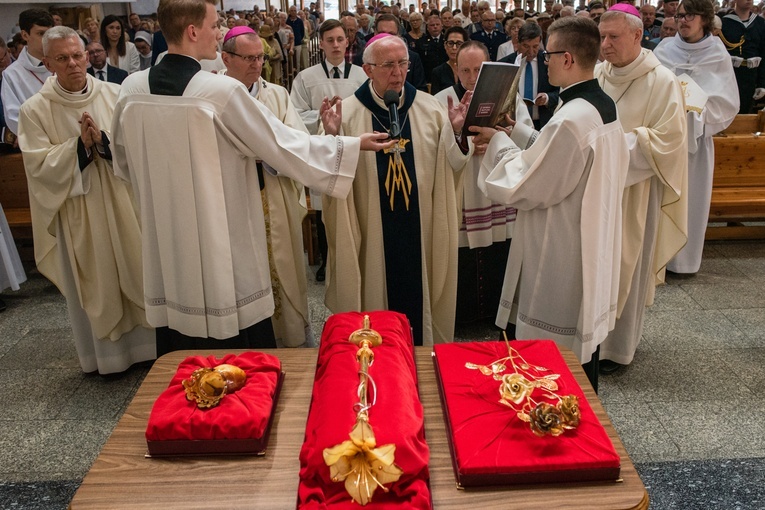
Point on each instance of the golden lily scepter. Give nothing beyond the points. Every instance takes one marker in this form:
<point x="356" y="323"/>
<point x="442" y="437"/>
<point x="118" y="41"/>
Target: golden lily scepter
<point x="357" y="461"/>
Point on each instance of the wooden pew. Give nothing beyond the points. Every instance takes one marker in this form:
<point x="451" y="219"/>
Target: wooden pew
<point x="738" y="189"/>
<point x="14" y="197"/>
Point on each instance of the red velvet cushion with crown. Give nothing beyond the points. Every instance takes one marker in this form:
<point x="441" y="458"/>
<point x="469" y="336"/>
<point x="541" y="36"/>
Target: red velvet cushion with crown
<point x="243" y="414"/>
<point x="396" y="418"/>
<point x="491" y="446"/>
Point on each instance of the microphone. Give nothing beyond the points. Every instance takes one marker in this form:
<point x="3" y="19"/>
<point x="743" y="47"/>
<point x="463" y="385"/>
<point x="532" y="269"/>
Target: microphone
<point x="391" y="98"/>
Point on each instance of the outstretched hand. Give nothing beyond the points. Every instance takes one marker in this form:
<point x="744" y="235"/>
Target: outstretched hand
<point x="331" y="112"/>
<point x="458" y="112"/>
<point x="376" y="141"/>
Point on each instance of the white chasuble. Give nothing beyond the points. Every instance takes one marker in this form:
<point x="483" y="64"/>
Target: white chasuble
<point x="652" y="111"/>
<point x="284" y="205"/>
<point x="87" y="237"/>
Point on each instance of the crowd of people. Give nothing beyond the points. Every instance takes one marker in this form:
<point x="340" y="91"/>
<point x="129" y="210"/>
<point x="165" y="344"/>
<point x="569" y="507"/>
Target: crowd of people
<point x="167" y="203"/>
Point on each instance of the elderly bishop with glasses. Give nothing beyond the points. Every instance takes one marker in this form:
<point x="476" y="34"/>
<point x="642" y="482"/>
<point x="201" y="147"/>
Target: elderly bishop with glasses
<point x="393" y="240"/>
<point x="87" y="237"/>
<point x="561" y="279"/>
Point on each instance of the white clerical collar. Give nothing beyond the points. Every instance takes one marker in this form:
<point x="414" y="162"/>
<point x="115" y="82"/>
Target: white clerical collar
<point x="574" y="85"/>
<point x="32" y="60"/>
<point x="379" y="100"/>
<point x="340" y="66"/>
<point x="66" y="93"/>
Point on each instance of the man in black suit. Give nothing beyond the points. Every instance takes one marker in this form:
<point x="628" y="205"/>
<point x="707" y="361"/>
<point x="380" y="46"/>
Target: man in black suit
<point x="489" y="35"/>
<point x="430" y="47"/>
<point x="540" y="97"/>
<point x="100" y="69"/>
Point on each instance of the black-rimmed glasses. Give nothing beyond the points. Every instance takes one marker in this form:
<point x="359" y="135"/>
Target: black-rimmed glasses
<point x="687" y="16"/>
<point x="547" y="54"/>
<point x="250" y="59"/>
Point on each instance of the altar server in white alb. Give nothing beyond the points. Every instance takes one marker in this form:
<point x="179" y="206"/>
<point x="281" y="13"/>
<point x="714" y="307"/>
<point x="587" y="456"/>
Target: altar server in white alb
<point x="562" y="273"/>
<point x="189" y="142"/>
<point x="284" y="204"/>
<point x="695" y="52"/>
<point x="24" y="77"/>
<point x="87" y="237"/>
<point x="655" y="205"/>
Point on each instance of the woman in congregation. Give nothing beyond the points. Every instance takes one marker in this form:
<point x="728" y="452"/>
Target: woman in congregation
<point x="415" y="19"/>
<point x="445" y="75"/>
<point x="695" y="52"/>
<point x="512" y="26"/>
<point x="90" y="30"/>
<point x="120" y="52"/>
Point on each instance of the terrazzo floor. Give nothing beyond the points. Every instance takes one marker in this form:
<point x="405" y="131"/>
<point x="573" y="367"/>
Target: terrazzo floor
<point x="689" y="408"/>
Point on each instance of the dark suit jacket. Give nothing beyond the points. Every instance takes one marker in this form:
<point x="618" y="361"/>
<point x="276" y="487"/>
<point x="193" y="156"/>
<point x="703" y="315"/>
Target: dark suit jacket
<point x="492" y="43"/>
<point x="416" y="74"/>
<point x="543" y="85"/>
<point x="431" y="52"/>
<point x="442" y="78"/>
<point x="113" y="74"/>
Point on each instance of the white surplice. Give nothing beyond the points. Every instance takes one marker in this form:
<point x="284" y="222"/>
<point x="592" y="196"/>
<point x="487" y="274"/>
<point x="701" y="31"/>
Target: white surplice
<point x="192" y="161"/>
<point x="21" y="80"/>
<point x="708" y="63"/>
<point x="562" y="271"/>
<point x="11" y="271"/>
<point x="483" y="222"/>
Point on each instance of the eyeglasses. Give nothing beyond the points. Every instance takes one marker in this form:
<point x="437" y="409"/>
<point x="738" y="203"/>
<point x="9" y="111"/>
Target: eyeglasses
<point x="547" y="54"/>
<point x="96" y="52"/>
<point x="389" y="66"/>
<point x="64" y="59"/>
<point x="685" y="16"/>
<point x="250" y="59"/>
<point x="453" y="44"/>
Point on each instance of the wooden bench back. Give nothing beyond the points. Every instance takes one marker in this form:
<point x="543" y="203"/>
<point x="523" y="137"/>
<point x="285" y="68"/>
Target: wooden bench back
<point x="13" y="182"/>
<point x="740" y="155"/>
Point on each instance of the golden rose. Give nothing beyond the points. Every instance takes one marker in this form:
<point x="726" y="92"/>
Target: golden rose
<point x="515" y="388"/>
<point x="546" y="419"/>
<point x="569" y="408"/>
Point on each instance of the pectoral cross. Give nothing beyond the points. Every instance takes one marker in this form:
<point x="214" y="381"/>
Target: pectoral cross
<point x="398" y="176"/>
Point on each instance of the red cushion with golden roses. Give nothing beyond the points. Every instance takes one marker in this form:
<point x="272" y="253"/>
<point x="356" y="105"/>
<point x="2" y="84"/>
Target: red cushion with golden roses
<point x="239" y="424"/>
<point x="492" y="446"/>
<point x="396" y="418"/>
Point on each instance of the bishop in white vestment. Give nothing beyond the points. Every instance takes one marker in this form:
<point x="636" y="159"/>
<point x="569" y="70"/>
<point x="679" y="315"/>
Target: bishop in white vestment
<point x="393" y="240"/>
<point x="655" y="205"/>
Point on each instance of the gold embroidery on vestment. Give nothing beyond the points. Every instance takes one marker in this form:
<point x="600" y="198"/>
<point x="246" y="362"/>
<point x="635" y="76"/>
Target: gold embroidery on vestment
<point x="398" y="176"/>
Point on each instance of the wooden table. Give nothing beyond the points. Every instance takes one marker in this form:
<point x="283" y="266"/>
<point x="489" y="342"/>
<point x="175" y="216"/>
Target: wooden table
<point x="122" y="478"/>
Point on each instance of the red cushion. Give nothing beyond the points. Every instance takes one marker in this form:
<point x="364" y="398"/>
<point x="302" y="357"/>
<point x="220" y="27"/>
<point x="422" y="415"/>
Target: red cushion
<point x="243" y="414"/>
<point x="396" y="418"/>
<point x="489" y="439"/>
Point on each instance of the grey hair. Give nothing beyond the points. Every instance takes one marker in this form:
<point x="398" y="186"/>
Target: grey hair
<point x="60" y="32"/>
<point x="230" y="45"/>
<point x="367" y="56"/>
<point x="633" y="22"/>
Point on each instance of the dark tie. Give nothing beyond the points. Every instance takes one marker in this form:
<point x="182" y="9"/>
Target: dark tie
<point x="528" y="83"/>
<point x="335" y="73"/>
<point x="101" y="76"/>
